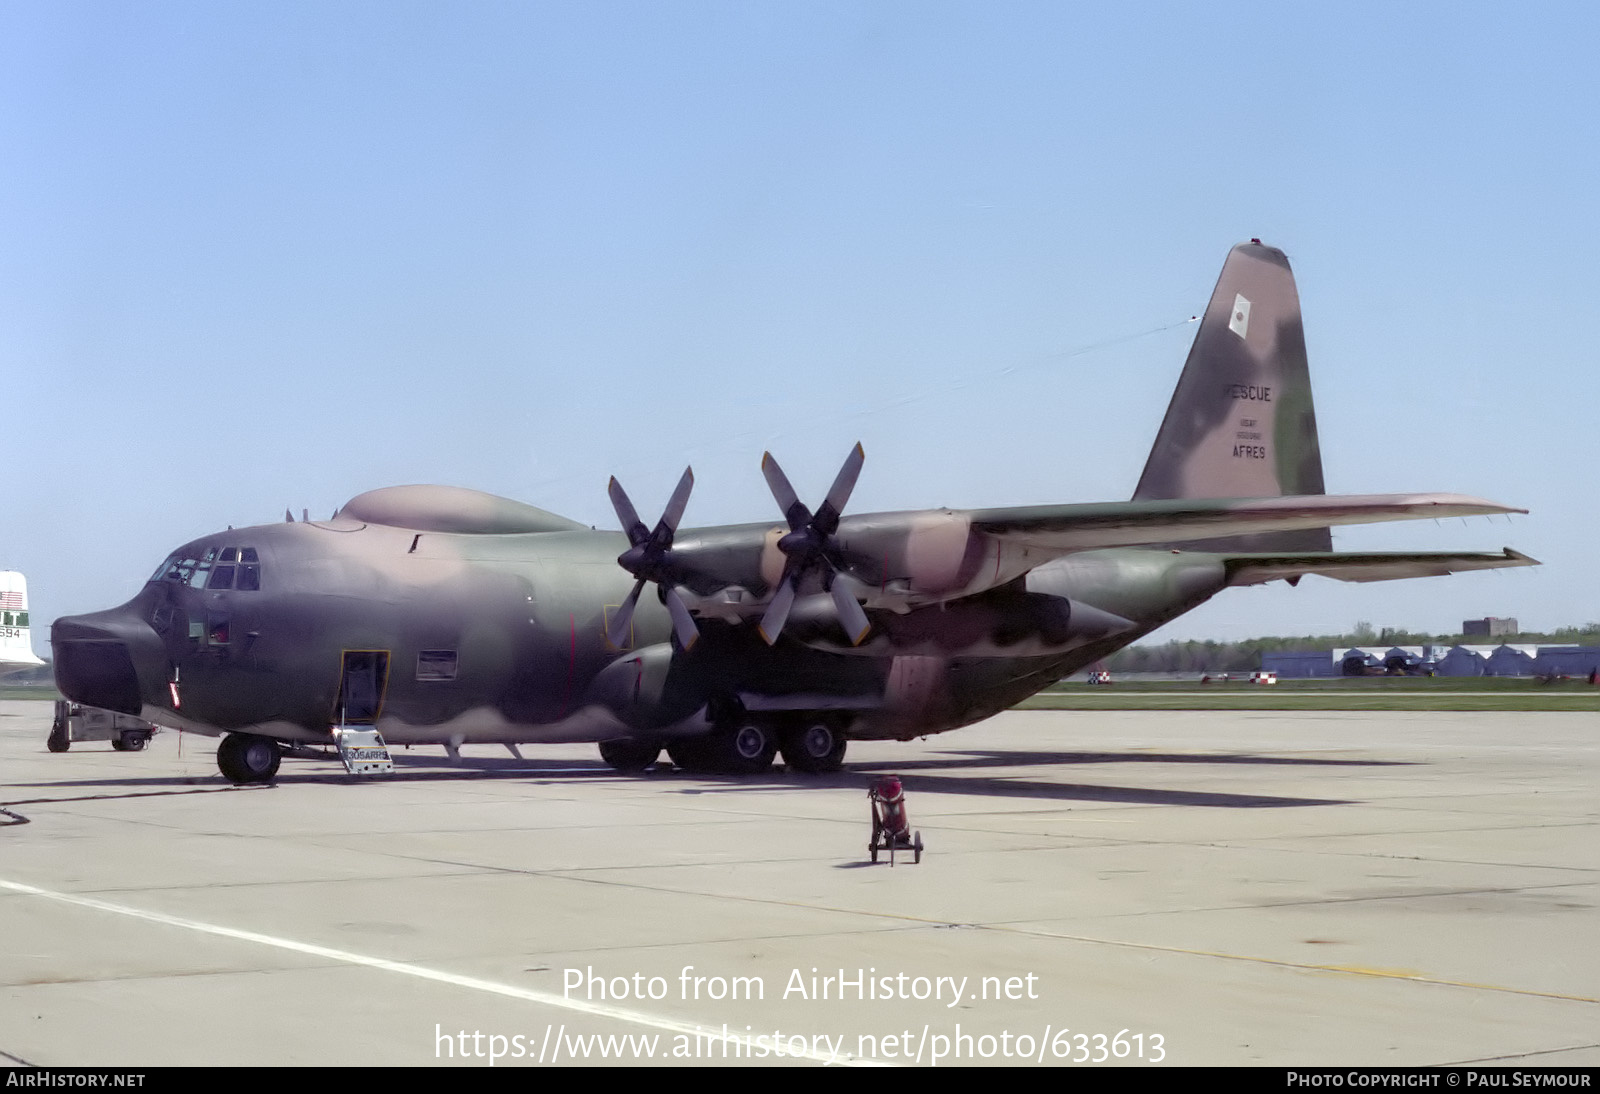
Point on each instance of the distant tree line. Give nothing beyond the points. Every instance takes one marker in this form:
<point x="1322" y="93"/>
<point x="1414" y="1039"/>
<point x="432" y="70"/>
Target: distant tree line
<point x="1245" y="655"/>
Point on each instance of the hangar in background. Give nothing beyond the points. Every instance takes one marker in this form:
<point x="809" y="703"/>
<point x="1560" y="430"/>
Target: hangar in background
<point x="1505" y="659"/>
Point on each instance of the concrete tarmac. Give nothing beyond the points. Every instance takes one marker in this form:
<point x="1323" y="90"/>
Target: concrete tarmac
<point x="1394" y="889"/>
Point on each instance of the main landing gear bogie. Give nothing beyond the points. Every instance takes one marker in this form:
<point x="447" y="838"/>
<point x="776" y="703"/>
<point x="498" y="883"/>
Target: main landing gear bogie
<point x="742" y="748"/>
<point x="746" y="746"/>
<point x="630" y="755"/>
<point x="814" y="747"/>
<point x="247" y="758"/>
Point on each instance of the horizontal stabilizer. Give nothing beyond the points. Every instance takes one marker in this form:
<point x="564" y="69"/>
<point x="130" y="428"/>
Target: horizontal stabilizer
<point x="1257" y="569"/>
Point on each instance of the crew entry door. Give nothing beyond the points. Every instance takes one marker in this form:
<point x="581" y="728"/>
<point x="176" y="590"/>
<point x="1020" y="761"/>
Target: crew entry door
<point x="361" y="686"/>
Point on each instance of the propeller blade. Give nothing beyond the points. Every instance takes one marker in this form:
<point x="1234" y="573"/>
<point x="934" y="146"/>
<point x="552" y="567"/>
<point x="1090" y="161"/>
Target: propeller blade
<point x="680" y="499"/>
<point x="850" y="614"/>
<point x="794" y="511"/>
<point x="778" y="611"/>
<point x="827" y="519"/>
<point x="649" y="558"/>
<point x="631" y="524"/>
<point x="682" y="623"/>
<point x="621" y="627"/>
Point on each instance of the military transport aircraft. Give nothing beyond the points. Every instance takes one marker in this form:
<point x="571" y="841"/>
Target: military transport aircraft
<point x="443" y="615"/>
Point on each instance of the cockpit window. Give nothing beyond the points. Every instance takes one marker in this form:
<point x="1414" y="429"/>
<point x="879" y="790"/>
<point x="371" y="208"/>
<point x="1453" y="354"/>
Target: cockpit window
<point x="214" y="569"/>
<point x="184" y="569"/>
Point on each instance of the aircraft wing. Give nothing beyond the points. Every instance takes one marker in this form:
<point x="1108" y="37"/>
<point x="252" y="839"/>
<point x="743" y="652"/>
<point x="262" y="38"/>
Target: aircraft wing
<point x="1257" y="569"/>
<point x="903" y="561"/>
<point x="1065" y="528"/>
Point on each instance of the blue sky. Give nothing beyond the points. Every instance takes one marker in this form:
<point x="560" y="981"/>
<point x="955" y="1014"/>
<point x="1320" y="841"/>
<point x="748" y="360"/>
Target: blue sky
<point x="266" y="256"/>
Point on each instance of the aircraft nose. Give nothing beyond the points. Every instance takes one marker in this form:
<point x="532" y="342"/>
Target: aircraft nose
<point x="108" y="659"/>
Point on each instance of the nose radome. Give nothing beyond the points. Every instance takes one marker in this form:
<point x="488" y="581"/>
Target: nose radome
<point x="103" y="659"/>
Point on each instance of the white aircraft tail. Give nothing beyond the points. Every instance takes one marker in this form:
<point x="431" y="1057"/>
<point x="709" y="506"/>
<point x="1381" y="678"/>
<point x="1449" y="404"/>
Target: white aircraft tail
<point x="16" y="648"/>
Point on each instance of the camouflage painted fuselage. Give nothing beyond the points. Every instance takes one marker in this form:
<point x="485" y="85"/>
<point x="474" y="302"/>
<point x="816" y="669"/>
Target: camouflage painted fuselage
<point x="501" y="637"/>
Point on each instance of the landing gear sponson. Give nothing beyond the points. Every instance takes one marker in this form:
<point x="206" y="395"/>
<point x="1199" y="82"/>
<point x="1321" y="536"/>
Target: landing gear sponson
<point x="744" y="747"/>
<point x="813" y="746"/>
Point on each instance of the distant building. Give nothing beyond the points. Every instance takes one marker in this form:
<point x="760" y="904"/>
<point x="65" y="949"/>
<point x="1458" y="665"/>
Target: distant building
<point x="1356" y="660"/>
<point x="1409" y="660"/>
<point x="1475" y="660"/>
<point x="1509" y="660"/>
<point x="1488" y="627"/>
<point x="1567" y="660"/>
<point x="1465" y="661"/>
<point x="1299" y="664"/>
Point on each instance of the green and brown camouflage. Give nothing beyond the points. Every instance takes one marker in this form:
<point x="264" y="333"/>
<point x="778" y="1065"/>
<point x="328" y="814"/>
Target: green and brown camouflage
<point x="443" y="615"/>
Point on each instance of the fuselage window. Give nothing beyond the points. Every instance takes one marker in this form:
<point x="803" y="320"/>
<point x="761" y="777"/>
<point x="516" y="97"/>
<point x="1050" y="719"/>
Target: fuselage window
<point x="249" y="578"/>
<point x="436" y="665"/>
<point x="221" y="578"/>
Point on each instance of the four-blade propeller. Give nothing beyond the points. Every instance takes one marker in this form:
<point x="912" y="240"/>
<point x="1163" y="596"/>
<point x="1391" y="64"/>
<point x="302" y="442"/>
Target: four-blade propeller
<point x="647" y="558"/>
<point x="812" y="545"/>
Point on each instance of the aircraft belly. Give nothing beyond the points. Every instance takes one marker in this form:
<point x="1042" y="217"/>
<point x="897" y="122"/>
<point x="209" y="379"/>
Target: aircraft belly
<point x="487" y="725"/>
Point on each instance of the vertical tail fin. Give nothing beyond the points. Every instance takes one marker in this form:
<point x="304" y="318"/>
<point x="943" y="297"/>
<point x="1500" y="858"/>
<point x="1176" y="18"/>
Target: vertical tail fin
<point x="15" y="647"/>
<point x="1241" y="424"/>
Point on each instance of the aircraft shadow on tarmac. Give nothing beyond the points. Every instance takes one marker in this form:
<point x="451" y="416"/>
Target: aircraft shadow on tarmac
<point x="919" y="775"/>
<point x="927" y="775"/>
<point x="1001" y="787"/>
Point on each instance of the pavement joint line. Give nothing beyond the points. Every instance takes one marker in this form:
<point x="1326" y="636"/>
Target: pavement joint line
<point x="1523" y="1055"/>
<point x="530" y="995"/>
<point x="1205" y="909"/>
<point x="1346" y="970"/>
<point x="213" y="886"/>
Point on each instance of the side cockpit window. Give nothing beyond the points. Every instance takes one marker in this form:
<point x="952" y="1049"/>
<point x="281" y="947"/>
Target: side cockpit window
<point x="215" y="568"/>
